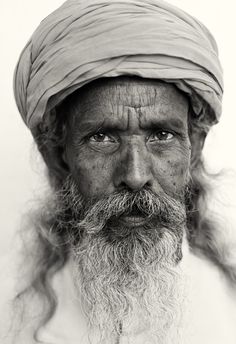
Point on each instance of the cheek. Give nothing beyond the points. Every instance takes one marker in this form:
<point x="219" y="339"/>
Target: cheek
<point x="178" y="172"/>
<point x="172" y="172"/>
<point x="92" y="175"/>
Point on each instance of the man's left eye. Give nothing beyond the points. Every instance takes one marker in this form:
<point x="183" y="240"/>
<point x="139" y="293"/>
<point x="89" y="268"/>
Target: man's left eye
<point x="161" y="136"/>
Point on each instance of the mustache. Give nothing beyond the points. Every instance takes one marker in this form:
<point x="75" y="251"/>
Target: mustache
<point x="161" y="208"/>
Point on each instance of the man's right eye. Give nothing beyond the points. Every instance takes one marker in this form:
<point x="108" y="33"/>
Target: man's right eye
<point x="101" y="138"/>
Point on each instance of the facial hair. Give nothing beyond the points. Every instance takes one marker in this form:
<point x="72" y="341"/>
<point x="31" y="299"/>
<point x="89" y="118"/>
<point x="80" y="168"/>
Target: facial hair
<point x="126" y="278"/>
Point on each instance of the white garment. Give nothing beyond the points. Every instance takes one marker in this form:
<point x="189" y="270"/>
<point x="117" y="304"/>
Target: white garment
<point x="211" y="308"/>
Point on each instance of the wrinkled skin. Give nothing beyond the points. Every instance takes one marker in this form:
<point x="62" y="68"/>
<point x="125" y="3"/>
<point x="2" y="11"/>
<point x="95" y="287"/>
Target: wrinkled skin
<point x="127" y="133"/>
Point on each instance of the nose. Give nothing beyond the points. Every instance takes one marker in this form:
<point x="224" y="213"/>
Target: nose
<point x="134" y="171"/>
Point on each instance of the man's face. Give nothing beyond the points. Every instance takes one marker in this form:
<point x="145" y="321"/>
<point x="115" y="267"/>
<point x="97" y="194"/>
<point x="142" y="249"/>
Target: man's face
<point x="129" y="134"/>
<point x="128" y="152"/>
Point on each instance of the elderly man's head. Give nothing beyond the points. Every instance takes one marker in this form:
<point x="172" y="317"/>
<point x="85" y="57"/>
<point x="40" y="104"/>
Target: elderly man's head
<point x="122" y="133"/>
<point x="121" y="157"/>
<point x="121" y="124"/>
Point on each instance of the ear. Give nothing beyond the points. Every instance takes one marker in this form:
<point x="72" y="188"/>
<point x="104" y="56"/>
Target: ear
<point x="197" y="138"/>
<point x="54" y="157"/>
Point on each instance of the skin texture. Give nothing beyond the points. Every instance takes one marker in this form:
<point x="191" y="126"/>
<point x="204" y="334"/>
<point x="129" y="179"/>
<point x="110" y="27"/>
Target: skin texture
<point x="127" y="133"/>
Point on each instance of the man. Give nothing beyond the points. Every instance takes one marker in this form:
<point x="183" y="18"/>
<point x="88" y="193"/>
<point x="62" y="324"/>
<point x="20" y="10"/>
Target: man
<point x="119" y="96"/>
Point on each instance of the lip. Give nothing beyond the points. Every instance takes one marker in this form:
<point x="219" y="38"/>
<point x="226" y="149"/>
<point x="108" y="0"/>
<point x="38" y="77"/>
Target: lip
<point x="133" y="220"/>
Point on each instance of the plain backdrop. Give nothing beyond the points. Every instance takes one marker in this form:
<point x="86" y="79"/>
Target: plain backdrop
<point x="21" y="173"/>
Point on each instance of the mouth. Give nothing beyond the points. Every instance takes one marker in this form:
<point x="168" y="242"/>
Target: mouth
<point x="135" y="218"/>
<point x="133" y="221"/>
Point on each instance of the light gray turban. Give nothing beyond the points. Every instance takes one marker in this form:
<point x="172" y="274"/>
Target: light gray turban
<point x="84" y="40"/>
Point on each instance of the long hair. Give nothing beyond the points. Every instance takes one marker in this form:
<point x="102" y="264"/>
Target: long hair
<point x="50" y="250"/>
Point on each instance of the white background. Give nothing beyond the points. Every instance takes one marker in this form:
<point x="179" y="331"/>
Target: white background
<point x="21" y="172"/>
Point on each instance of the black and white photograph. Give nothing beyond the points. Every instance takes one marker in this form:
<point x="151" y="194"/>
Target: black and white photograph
<point x="118" y="173"/>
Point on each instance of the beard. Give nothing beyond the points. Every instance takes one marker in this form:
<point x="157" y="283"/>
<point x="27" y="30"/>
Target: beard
<point x="127" y="278"/>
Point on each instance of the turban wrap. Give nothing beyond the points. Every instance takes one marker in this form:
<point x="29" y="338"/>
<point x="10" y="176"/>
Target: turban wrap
<point x="84" y="40"/>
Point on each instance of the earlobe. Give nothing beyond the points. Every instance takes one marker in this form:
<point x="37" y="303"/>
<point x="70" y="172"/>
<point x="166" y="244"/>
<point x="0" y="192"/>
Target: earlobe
<point x="197" y="138"/>
<point x="54" y="157"/>
<point x="64" y="156"/>
<point x="56" y="162"/>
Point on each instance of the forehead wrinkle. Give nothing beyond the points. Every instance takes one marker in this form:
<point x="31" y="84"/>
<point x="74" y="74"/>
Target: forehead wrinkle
<point x="144" y="97"/>
<point x="135" y="95"/>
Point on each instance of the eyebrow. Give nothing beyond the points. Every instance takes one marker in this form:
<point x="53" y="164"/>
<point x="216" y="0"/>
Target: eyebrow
<point x="162" y="123"/>
<point x="92" y="126"/>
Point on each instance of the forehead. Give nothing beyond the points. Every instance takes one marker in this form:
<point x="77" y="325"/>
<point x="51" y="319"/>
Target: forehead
<point x="113" y="98"/>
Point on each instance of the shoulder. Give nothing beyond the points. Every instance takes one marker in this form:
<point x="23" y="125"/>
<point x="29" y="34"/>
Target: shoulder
<point x="12" y="329"/>
<point x="212" y="301"/>
<point x="7" y="295"/>
<point x="209" y="274"/>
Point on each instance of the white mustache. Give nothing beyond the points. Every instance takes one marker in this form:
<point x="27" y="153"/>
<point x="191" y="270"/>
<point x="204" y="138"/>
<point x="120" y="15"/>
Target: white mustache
<point x="161" y="208"/>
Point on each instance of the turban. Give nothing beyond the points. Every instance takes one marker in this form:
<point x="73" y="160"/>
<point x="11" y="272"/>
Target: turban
<point x="84" y="40"/>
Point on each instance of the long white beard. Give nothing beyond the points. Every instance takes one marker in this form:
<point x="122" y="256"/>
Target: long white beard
<point x="127" y="279"/>
<point x="127" y="292"/>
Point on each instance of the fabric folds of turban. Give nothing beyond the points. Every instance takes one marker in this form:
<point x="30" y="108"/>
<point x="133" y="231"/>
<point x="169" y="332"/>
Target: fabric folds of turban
<point x="84" y="40"/>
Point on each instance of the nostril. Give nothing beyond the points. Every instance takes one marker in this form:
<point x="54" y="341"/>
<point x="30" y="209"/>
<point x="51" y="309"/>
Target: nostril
<point x="123" y="186"/>
<point x="135" y="184"/>
<point x="148" y="184"/>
